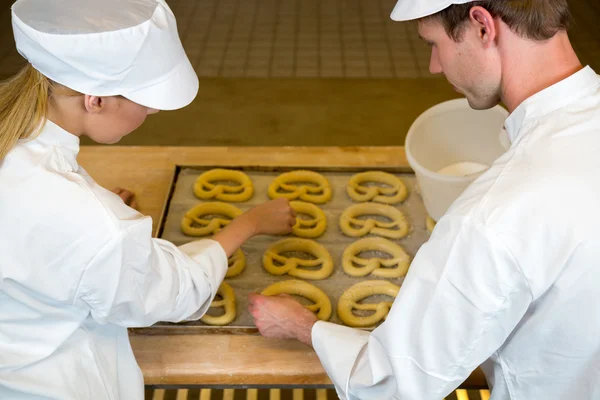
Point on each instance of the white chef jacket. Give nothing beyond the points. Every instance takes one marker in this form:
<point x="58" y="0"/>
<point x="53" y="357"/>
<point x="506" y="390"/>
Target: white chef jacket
<point x="510" y="275"/>
<point x="77" y="267"/>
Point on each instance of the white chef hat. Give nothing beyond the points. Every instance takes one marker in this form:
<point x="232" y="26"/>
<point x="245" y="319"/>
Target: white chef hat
<point x="108" y="47"/>
<point x="406" y="10"/>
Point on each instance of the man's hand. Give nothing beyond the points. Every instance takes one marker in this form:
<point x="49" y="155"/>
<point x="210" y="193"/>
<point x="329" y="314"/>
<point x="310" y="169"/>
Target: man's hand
<point x="281" y="317"/>
<point x="127" y="196"/>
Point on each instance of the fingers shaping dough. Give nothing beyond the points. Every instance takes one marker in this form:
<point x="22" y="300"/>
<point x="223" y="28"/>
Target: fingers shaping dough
<point x="395" y="267"/>
<point x="294" y="266"/>
<point x="430" y="224"/>
<point x="205" y="189"/>
<point x="322" y="306"/>
<point x="394" y="191"/>
<point x="350" y="301"/>
<point x="301" y="185"/>
<point x="309" y="228"/>
<point x="194" y="225"/>
<point x="227" y="302"/>
<point x="354" y="227"/>
<point x="237" y="263"/>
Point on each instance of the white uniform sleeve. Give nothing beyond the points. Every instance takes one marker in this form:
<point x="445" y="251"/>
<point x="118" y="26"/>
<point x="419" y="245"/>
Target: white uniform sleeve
<point x="136" y="280"/>
<point x="463" y="296"/>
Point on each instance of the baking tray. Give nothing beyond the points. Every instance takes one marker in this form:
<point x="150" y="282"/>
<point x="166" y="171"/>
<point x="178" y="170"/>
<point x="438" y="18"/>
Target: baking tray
<point x="254" y="277"/>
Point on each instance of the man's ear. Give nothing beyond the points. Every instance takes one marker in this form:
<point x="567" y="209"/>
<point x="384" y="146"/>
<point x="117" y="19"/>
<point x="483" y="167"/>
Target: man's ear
<point x="485" y="24"/>
<point x="93" y="104"/>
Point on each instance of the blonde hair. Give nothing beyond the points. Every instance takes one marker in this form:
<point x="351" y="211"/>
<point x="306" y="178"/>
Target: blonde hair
<point x="24" y="101"/>
<point x="23" y="107"/>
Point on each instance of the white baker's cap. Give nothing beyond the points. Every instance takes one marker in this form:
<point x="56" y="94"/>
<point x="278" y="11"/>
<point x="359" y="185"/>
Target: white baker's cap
<point x="107" y="48"/>
<point x="406" y="10"/>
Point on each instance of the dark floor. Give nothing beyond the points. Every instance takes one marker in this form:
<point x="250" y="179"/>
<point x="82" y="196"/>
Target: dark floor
<point x="302" y="72"/>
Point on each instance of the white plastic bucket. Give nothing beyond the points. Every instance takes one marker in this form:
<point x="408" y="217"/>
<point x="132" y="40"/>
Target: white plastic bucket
<point x="447" y="134"/>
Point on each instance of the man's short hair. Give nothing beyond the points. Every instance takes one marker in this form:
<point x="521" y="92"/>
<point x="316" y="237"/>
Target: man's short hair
<point x="533" y="19"/>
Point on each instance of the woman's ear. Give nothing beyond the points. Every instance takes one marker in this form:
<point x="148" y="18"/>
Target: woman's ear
<point x="93" y="104"/>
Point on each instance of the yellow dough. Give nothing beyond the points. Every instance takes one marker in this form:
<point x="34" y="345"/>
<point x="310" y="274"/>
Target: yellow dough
<point x="309" y="228"/>
<point x="350" y="301"/>
<point x="430" y="224"/>
<point x="358" y="266"/>
<point x="208" y="226"/>
<point x="354" y="227"/>
<point x="322" y="306"/>
<point x="237" y="263"/>
<point x="394" y="192"/>
<point x="205" y="189"/>
<point x="293" y="266"/>
<point x="227" y="302"/>
<point x="293" y="186"/>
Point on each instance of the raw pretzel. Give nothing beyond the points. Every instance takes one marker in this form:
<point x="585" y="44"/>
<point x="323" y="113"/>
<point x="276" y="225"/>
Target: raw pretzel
<point x="322" y="306"/>
<point x="354" y="227"/>
<point x="309" y="228"/>
<point x="430" y="224"/>
<point x="359" y="266"/>
<point x="227" y="302"/>
<point x="237" y="263"/>
<point x="294" y="187"/>
<point x="293" y="265"/>
<point x="204" y="188"/>
<point x="208" y="226"/>
<point x="350" y="301"/>
<point x="394" y="192"/>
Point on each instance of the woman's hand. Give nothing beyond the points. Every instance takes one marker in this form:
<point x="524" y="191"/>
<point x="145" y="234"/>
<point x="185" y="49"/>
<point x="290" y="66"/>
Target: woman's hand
<point x="127" y="196"/>
<point x="275" y="217"/>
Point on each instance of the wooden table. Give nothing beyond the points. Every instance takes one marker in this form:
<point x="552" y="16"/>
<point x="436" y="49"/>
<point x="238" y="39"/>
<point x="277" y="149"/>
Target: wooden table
<point x="188" y="359"/>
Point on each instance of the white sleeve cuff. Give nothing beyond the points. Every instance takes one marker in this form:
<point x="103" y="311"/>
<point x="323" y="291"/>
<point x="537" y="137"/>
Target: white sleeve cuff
<point x="212" y="260"/>
<point x="338" y="348"/>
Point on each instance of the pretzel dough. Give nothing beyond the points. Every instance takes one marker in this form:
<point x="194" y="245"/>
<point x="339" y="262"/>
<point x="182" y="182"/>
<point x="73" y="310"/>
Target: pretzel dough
<point x="204" y="188"/>
<point x="208" y="226"/>
<point x="227" y="302"/>
<point x="322" y="306"/>
<point x="294" y="187"/>
<point x="350" y="301"/>
<point x="394" y="192"/>
<point x="237" y="263"/>
<point x="309" y="228"/>
<point x="358" y="266"/>
<point x="430" y="224"/>
<point x="354" y="227"/>
<point x="292" y="265"/>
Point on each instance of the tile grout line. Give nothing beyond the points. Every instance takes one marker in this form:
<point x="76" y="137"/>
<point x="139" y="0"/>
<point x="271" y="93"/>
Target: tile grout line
<point x="229" y="37"/>
<point x="296" y="38"/>
<point x="251" y="36"/>
<point x="275" y="25"/>
<point x="341" y="32"/>
<point x="209" y="26"/>
<point x="189" y="21"/>
<point x="364" y="38"/>
<point x="387" y="40"/>
<point x="319" y="42"/>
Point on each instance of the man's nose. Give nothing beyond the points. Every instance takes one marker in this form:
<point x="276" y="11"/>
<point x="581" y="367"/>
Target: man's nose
<point x="435" y="67"/>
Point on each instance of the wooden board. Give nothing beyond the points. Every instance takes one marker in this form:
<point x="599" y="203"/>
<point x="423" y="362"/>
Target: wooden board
<point x="191" y="359"/>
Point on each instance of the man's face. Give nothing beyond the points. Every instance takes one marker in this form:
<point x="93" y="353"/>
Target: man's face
<point x="472" y="68"/>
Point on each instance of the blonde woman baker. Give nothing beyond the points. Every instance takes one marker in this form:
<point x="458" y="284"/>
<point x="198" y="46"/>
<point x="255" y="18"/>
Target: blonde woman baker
<point x="77" y="265"/>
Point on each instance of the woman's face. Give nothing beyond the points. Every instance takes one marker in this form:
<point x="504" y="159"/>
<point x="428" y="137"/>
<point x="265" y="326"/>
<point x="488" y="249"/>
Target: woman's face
<point x="110" y="118"/>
